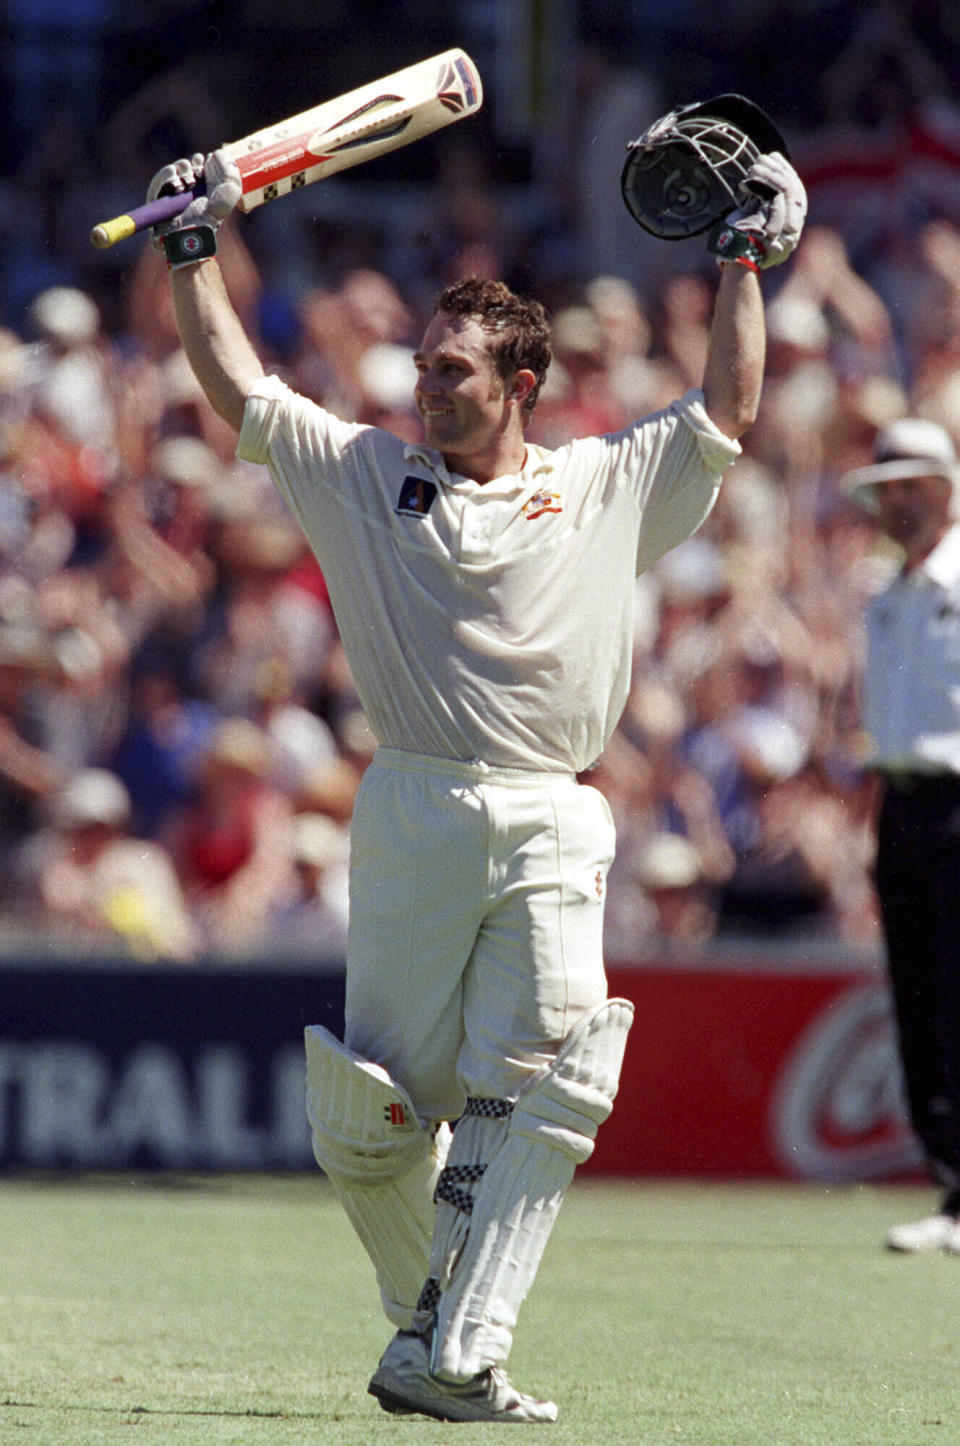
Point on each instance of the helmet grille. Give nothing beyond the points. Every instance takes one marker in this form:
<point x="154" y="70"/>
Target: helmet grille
<point x="684" y="173"/>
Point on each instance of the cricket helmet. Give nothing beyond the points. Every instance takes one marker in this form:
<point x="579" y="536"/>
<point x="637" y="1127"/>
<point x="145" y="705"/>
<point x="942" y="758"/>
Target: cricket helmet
<point x="684" y="172"/>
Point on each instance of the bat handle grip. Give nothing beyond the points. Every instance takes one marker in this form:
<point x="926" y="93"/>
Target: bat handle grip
<point x="164" y="208"/>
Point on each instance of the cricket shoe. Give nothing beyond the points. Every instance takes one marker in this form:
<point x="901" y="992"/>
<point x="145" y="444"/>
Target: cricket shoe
<point x="402" y="1383"/>
<point x="922" y="1237"/>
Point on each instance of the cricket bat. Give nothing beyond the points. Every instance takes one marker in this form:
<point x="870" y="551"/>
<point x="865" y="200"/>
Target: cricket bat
<point x="331" y="137"/>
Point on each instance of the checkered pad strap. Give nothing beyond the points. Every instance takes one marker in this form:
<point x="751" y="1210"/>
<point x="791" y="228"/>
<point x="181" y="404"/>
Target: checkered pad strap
<point x="489" y="1109"/>
<point x="453" y="1178"/>
<point x="429" y="1296"/>
<point x="488" y="1268"/>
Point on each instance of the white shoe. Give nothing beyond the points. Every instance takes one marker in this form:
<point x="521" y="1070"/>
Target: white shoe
<point x="920" y="1237"/>
<point x="402" y="1384"/>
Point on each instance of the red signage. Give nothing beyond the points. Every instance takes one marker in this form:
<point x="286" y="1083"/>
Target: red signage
<point x="754" y="1070"/>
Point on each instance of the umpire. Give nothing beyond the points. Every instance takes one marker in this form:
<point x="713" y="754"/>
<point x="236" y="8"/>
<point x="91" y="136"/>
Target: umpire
<point x="912" y="714"/>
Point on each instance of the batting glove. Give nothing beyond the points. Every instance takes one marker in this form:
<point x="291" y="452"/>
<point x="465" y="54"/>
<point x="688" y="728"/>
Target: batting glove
<point x="766" y="228"/>
<point x="191" y="236"/>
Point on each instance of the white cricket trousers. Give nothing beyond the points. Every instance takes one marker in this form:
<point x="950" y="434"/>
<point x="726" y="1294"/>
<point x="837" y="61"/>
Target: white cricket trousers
<point x="476" y="924"/>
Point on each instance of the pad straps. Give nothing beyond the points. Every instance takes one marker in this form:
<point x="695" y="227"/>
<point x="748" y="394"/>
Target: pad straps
<point x="453" y="1178"/>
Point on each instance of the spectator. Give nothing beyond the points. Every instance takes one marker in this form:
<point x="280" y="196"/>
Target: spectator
<point x="262" y="612"/>
<point x="671" y="875"/>
<point x="99" y="884"/>
<point x="303" y="744"/>
<point x="29" y="774"/>
<point x="581" y="399"/>
<point x="74" y="385"/>
<point x="312" y="918"/>
<point x="167" y="733"/>
<point x="339" y="328"/>
<point x="231" y="842"/>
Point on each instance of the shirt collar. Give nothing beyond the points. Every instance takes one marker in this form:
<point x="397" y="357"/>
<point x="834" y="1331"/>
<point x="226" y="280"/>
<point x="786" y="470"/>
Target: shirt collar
<point x="943" y="564"/>
<point x="538" y="461"/>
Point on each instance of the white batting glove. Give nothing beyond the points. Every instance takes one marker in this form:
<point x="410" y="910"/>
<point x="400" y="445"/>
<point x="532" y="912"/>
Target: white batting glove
<point x="221" y="178"/>
<point x="774" y="221"/>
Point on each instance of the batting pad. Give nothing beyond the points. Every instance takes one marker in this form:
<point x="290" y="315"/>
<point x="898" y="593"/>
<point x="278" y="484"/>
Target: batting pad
<point x="380" y="1160"/>
<point x="552" y="1129"/>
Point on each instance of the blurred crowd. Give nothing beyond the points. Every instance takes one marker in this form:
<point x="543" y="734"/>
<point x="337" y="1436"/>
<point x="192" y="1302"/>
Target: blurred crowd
<point x="180" y="740"/>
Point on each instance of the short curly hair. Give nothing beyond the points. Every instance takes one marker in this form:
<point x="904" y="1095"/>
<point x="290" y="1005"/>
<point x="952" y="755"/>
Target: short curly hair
<point x="518" y="323"/>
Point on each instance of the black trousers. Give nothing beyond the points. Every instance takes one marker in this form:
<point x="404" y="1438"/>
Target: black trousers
<point x="918" y="885"/>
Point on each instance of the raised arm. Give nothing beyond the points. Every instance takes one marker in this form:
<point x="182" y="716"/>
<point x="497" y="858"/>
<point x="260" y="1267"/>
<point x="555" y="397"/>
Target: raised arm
<point x="218" y="349"/>
<point x="762" y="233"/>
<point x="736" y="354"/>
<point x="216" y="345"/>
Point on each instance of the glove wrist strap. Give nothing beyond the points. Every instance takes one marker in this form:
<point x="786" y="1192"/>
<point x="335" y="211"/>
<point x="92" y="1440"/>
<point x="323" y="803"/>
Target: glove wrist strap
<point x="733" y="247"/>
<point x="189" y="245"/>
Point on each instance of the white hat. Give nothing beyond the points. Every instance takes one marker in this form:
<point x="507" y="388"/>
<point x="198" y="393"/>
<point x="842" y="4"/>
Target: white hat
<point x="93" y="795"/>
<point x="317" y="840"/>
<point x="387" y="375"/>
<point x="238" y="743"/>
<point x="908" y="447"/>
<point x="64" y="314"/>
<point x="669" y="861"/>
<point x="186" y="460"/>
<point x="799" y="321"/>
<point x="768" y="742"/>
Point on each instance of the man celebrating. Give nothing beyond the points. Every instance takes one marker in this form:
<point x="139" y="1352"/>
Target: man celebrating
<point x="483" y="588"/>
<point x="912" y="714"/>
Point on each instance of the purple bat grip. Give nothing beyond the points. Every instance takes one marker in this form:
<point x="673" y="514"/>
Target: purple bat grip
<point x="164" y="208"/>
<point x="154" y="213"/>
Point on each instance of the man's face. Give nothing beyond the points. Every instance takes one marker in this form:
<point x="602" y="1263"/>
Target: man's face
<point x="914" y="512"/>
<point x="459" y="395"/>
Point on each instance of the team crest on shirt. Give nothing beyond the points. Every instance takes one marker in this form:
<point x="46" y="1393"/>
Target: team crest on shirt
<point x="540" y="503"/>
<point x="417" y="496"/>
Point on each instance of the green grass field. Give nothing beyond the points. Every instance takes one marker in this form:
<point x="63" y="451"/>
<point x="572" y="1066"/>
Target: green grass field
<point x="242" y="1310"/>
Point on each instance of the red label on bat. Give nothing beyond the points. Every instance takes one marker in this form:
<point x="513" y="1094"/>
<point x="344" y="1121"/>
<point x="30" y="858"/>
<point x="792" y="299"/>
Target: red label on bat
<point x="276" y="162"/>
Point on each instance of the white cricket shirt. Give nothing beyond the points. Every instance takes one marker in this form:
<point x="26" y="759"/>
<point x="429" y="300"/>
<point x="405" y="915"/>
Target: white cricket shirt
<point x="492" y="622"/>
<point x="912" y="678"/>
